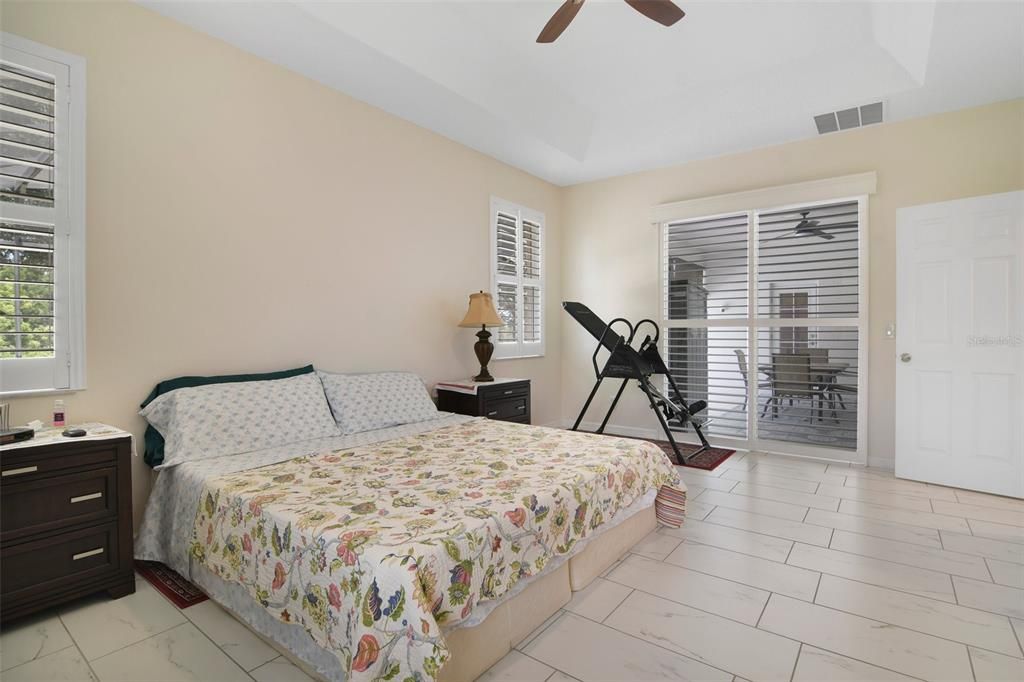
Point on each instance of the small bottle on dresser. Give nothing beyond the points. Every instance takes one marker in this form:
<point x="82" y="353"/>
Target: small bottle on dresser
<point x="58" y="413"/>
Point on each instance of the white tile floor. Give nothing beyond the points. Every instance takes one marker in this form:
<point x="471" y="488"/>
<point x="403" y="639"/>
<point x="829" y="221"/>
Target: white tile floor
<point x="785" y="570"/>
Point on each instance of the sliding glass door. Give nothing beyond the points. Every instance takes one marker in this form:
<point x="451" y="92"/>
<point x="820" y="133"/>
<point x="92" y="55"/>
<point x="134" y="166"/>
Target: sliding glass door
<point x="764" y="315"/>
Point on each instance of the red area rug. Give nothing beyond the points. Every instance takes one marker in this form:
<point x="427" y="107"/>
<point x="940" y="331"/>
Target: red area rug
<point x="180" y="591"/>
<point x="707" y="460"/>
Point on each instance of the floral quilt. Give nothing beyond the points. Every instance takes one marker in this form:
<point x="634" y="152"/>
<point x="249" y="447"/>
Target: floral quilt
<point x="373" y="549"/>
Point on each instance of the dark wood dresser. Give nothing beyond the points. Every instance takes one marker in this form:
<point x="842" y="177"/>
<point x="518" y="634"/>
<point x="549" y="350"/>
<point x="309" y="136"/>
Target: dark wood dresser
<point x="65" y="523"/>
<point x="506" y="400"/>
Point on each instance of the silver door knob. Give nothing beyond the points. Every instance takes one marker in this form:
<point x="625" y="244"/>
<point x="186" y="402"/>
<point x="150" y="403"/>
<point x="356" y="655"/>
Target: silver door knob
<point x="904" y="357"/>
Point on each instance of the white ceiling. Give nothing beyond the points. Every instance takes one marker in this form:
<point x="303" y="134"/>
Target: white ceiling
<point x="619" y="93"/>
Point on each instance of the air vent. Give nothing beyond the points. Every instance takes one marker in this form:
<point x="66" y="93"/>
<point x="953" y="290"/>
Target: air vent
<point x="845" y="119"/>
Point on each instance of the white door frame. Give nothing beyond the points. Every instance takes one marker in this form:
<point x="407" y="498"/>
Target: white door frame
<point x="816" y="193"/>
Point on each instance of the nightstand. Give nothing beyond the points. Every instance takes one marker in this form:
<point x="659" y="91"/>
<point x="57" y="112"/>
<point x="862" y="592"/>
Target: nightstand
<point x="503" y="399"/>
<point x="65" y="520"/>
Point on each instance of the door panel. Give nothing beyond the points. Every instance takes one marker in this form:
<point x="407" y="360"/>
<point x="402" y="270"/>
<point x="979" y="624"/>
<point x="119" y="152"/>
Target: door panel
<point x="960" y="371"/>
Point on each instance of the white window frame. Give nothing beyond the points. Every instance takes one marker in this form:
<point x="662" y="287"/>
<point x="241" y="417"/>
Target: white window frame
<point x="800" y="195"/>
<point x="519" y="348"/>
<point x="66" y="370"/>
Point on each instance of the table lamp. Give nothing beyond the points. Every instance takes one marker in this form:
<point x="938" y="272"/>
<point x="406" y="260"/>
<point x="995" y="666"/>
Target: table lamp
<point x="480" y="314"/>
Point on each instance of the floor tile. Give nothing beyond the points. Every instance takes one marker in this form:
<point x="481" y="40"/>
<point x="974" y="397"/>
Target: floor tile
<point x="794" y="463"/>
<point x="767" y="492"/>
<point x="705" y="592"/>
<point x="881" y="529"/>
<point x="100" y="625"/>
<point x="690" y="476"/>
<point x="761" y="573"/>
<point x="181" y="653"/>
<point x="693" y="491"/>
<point x="719" y="642"/>
<point x="990" y="667"/>
<point x="911" y="518"/>
<point x="997" y="531"/>
<point x="873" y="571"/>
<point x="543" y="626"/>
<point x="1006" y="573"/>
<point x="871" y="641"/>
<point x="984" y="547"/>
<point x="986" y="500"/>
<point x="884" y="498"/>
<point x="930" y="616"/>
<point x="816" y="665"/>
<point x="761" y="478"/>
<point x="592" y="652"/>
<point x="754" y="505"/>
<point x="598" y="599"/>
<point x="771" y="525"/>
<point x="900" y="486"/>
<point x="656" y="545"/>
<point x="280" y="670"/>
<point x="559" y="676"/>
<point x="973" y="511"/>
<point x="776" y="549"/>
<point x="66" y="665"/>
<point x="1008" y="601"/>
<point x="235" y="639"/>
<point x="697" y="510"/>
<point x="31" y="638"/>
<point x="517" y="667"/>
<point x="954" y="563"/>
<point x="800" y="474"/>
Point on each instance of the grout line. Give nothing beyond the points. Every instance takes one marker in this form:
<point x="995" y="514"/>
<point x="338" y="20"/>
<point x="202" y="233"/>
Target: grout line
<point x="796" y="661"/>
<point x="616" y="608"/>
<point x="763" y="609"/>
<point x="814" y="599"/>
<point x="991" y="577"/>
<point x="541" y="629"/>
<point x="970" y="662"/>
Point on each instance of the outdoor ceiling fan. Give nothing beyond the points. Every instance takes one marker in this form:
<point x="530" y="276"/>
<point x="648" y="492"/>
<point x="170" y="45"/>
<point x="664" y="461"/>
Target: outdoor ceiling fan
<point x="807" y="228"/>
<point x="664" y="12"/>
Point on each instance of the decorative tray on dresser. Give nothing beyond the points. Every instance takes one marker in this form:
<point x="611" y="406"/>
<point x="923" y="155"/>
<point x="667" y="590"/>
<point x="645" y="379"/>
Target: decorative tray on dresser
<point x="65" y="519"/>
<point x="502" y="399"/>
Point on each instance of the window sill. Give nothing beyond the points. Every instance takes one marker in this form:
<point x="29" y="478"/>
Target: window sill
<point x="38" y="392"/>
<point x="518" y="357"/>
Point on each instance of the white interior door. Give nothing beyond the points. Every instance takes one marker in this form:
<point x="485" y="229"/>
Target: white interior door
<point x="960" y="342"/>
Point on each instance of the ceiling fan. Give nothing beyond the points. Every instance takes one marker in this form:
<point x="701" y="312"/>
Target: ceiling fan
<point x="806" y="228"/>
<point x="664" y="12"/>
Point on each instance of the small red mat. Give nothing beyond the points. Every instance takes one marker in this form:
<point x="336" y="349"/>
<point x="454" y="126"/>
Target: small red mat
<point x="180" y="591"/>
<point x="707" y="460"/>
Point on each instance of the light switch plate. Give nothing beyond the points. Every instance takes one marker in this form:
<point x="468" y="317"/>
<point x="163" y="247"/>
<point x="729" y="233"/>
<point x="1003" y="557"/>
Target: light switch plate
<point x="890" y="330"/>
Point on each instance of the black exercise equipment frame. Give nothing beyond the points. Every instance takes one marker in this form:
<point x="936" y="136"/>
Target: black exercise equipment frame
<point x="628" y="363"/>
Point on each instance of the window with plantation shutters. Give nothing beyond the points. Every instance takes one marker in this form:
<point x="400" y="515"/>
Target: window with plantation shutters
<point x="41" y="217"/>
<point x="517" y="245"/>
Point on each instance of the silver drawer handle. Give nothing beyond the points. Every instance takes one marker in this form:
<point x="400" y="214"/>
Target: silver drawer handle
<point x="22" y="470"/>
<point x="83" y="555"/>
<point x="83" y="498"/>
<point x="522" y="407"/>
<point x="509" y="392"/>
<point x="491" y="414"/>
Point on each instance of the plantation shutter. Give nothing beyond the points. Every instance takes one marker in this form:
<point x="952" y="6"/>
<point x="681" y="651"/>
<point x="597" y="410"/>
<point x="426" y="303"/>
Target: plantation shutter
<point x="518" y="281"/>
<point x="34" y="222"/>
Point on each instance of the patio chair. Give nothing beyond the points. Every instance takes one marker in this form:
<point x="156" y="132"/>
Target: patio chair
<point x="741" y="360"/>
<point x="791" y="378"/>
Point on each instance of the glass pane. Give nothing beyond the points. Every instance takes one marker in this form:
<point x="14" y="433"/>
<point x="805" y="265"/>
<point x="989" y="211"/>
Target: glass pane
<point x="807" y="385"/>
<point x="707" y="364"/>
<point x="808" y="262"/>
<point x="507" y="306"/>
<point x="705" y="268"/>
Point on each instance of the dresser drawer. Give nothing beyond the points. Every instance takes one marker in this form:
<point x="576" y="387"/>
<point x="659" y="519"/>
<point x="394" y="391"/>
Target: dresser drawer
<point x="502" y="392"/>
<point x="54" y="502"/>
<point x="506" y="408"/>
<point x="58" y="560"/>
<point x="32" y="463"/>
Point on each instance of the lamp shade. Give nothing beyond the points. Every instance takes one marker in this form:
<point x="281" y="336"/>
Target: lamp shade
<point x="481" y="312"/>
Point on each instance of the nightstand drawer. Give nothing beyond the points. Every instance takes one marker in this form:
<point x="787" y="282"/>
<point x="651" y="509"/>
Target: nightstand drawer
<point x="56" y="501"/>
<point x="501" y="392"/>
<point x="32" y="463"/>
<point x="506" y="408"/>
<point x="59" y="559"/>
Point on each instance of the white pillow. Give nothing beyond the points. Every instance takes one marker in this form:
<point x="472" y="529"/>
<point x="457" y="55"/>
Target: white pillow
<point x="224" y="419"/>
<point x="364" y="402"/>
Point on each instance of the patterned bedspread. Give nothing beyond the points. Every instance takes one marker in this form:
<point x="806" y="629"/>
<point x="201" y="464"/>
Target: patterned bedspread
<point x="374" y="549"/>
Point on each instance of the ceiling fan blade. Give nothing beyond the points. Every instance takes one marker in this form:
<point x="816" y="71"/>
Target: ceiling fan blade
<point x="819" y="233"/>
<point x="559" y="21"/>
<point x="665" y="12"/>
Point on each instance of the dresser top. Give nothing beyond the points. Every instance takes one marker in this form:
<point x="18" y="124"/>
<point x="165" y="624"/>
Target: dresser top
<point x="51" y="435"/>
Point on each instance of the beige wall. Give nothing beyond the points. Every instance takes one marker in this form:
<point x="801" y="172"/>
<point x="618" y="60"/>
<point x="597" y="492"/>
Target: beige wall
<point x="613" y="262"/>
<point x="242" y="217"/>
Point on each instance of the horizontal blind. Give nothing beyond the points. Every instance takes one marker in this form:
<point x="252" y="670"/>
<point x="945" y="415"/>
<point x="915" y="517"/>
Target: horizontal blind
<point x="507" y="251"/>
<point x="704" y="268"/>
<point x="808" y="262"/>
<point x="707" y="364"/>
<point x="26" y="290"/>
<point x="27" y="127"/>
<point x="508" y="305"/>
<point x="531" y="259"/>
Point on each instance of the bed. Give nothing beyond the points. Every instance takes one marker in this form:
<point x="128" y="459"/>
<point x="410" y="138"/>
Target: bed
<point x="423" y="550"/>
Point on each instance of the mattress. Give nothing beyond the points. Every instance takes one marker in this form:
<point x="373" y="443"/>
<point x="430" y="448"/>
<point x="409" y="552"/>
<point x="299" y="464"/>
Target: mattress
<point x="379" y="550"/>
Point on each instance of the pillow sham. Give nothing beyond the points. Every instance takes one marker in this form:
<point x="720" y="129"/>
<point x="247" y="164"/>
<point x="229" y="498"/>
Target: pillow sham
<point x="364" y="402"/>
<point x="201" y="422"/>
<point x="154" y="442"/>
